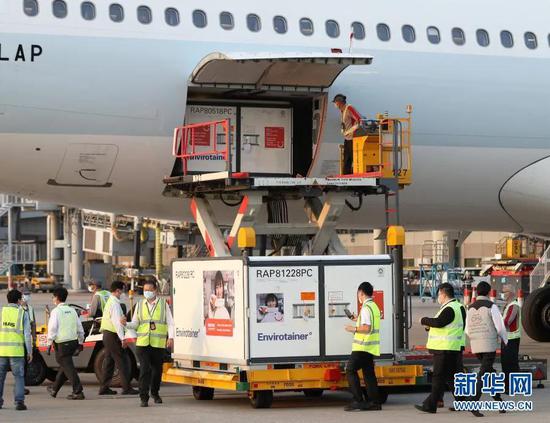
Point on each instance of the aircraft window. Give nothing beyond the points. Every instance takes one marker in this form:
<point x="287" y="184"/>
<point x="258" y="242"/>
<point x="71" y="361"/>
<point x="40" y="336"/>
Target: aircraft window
<point x="332" y="28"/>
<point x="531" y="40"/>
<point x="279" y="24"/>
<point x="116" y="12"/>
<point x="482" y="37"/>
<point x="458" y="36"/>
<point x="306" y="26"/>
<point x="87" y="8"/>
<point x="144" y="15"/>
<point x="226" y="20"/>
<point x="408" y="33"/>
<point x="199" y="18"/>
<point x="172" y="16"/>
<point x="507" y="39"/>
<point x="59" y="8"/>
<point x="253" y="22"/>
<point x="358" y="30"/>
<point x="383" y="32"/>
<point x="30" y="7"/>
<point x="433" y="35"/>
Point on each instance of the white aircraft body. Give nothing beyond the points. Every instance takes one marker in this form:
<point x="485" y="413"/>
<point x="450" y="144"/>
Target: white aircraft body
<point x="90" y="93"/>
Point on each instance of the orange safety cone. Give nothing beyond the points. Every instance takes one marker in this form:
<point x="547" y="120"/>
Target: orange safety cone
<point x="493" y="295"/>
<point x="474" y="294"/>
<point x="520" y="297"/>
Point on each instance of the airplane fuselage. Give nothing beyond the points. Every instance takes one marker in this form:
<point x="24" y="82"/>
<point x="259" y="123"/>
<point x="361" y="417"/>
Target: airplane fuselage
<point x="480" y="122"/>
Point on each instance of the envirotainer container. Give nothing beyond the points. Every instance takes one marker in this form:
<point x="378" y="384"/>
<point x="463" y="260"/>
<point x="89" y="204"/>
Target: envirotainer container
<point x="289" y="309"/>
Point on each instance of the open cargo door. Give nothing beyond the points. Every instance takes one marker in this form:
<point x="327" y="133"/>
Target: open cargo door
<point x="274" y="72"/>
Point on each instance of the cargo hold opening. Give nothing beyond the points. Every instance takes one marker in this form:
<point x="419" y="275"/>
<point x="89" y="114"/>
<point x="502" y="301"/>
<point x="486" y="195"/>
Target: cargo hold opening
<point x="276" y="105"/>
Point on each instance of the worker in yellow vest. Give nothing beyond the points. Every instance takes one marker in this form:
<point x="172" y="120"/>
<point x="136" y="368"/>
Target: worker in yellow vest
<point x="115" y="344"/>
<point x="365" y="346"/>
<point x="155" y="330"/>
<point x="445" y="343"/>
<point x="66" y="334"/>
<point x="15" y="338"/>
<point x="509" y="353"/>
<point x="99" y="299"/>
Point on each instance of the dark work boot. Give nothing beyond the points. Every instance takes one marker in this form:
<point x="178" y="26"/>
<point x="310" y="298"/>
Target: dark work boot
<point x="78" y="396"/>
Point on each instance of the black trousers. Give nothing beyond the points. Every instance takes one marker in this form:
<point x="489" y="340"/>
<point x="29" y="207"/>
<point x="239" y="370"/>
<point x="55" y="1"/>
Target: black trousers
<point x="114" y="354"/>
<point x="487" y="361"/>
<point x="509" y="358"/>
<point x="459" y="368"/>
<point x="150" y="370"/>
<point x="361" y="360"/>
<point x="348" y="157"/>
<point x="445" y="365"/>
<point x="64" y="357"/>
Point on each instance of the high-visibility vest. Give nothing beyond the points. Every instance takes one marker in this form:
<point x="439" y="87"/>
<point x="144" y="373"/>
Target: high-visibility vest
<point x="103" y="298"/>
<point x="368" y="342"/>
<point x="450" y="337"/>
<point x="517" y="333"/>
<point x="106" y="322"/>
<point x="66" y="322"/>
<point x="146" y="336"/>
<point x="12" y="337"/>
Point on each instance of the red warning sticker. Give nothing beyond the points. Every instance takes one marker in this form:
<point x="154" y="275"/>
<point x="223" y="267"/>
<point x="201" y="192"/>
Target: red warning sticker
<point x="274" y="137"/>
<point x="201" y="135"/>
<point x="378" y="298"/>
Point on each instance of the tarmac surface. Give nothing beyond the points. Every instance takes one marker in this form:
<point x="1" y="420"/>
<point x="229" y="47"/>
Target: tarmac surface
<point x="180" y="406"/>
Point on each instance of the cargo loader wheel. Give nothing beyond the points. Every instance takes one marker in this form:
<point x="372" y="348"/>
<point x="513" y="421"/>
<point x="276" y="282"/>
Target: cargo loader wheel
<point x="36" y="371"/>
<point x="535" y="314"/>
<point x="98" y="368"/>
<point x="202" y="393"/>
<point x="261" y="399"/>
<point x="313" y="393"/>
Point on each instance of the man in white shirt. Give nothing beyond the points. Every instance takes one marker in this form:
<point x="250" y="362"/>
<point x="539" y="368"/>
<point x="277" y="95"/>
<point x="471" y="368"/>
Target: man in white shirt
<point x="155" y="330"/>
<point x="66" y="334"/>
<point x="484" y="325"/>
<point x="114" y="344"/>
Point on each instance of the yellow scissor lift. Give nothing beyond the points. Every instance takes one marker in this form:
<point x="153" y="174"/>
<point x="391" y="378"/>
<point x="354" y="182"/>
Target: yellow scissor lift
<point x="382" y="165"/>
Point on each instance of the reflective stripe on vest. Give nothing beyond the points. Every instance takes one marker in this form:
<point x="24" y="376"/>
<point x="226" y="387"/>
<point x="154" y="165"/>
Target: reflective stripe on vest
<point x="12" y="338"/>
<point x="450" y="337"/>
<point x="368" y="342"/>
<point x="103" y="298"/>
<point x="157" y="337"/>
<point x="517" y="333"/>
<point x="66" y="324"/>
<point x="106" y="322"/>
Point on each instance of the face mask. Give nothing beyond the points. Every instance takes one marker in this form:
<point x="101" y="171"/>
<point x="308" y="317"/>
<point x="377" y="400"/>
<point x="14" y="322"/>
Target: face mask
<point x="503" y="296"/>
<point x="26" y="298"/>
<point x="123" y="296"/>
<point x="149" y="295"/>
<point x="90" y="289"/>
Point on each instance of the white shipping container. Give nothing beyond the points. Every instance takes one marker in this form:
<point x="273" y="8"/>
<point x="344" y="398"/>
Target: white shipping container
<point x="263" y="140"/>
<point x="207" y="140"/>
<point x="275" y="309"/>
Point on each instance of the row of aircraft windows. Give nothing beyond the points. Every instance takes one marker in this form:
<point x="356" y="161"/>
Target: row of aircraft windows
<point x="254" y="24"/>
